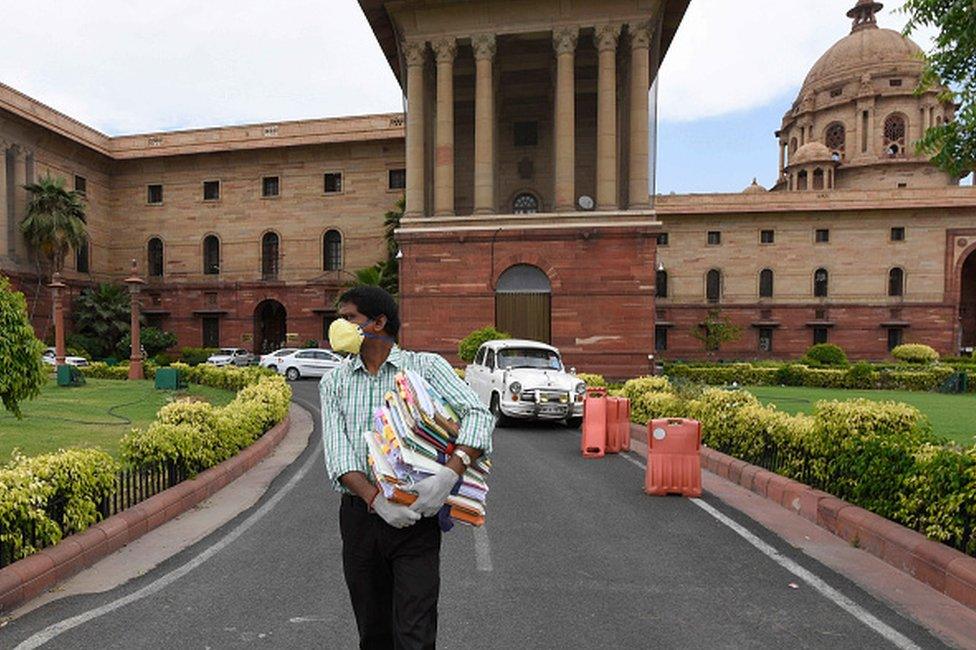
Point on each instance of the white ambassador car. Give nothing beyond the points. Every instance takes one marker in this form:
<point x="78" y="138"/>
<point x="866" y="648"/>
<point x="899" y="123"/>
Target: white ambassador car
<point x="311" y="362"/>
<point x="49" y="358"/>
<point x="520" y="379"/>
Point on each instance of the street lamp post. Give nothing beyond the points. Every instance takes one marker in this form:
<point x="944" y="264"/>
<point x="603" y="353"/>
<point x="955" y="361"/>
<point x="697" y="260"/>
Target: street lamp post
<point x="135" y="349"/>
<point x="56" y="286"/>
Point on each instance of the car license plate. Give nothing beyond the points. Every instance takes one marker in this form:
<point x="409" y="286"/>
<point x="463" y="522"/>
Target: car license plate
<point x="549" y="409"/>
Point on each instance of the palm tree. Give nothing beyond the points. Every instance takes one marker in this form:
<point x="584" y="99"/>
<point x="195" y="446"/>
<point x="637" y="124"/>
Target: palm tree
<point x="372" y="276"/>
<point x="55" y="221"/>
<point x="102" y="314"/>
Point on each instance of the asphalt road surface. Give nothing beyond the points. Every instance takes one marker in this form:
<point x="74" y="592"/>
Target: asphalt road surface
<point x="574" y="555"/>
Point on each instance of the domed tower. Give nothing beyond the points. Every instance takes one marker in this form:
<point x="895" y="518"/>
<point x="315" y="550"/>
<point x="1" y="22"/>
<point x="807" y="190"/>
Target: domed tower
<point x="858" y="104"/>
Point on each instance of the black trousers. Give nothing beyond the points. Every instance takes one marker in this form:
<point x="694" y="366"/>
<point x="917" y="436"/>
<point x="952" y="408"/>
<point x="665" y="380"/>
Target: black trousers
<point x="393" y="576"/>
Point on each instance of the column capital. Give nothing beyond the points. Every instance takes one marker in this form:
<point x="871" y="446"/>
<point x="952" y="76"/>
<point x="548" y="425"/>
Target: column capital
<point x="640" y="34"/>
<point x="564" y="39"/>
<point x="415" y="52"/>
<point x="445" y="49"/>
<point x="483" y="46"/>
<point x="606" y="36"/>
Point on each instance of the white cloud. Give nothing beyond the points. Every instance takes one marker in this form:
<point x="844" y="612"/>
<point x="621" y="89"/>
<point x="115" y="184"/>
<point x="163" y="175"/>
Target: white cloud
<point x="145" y="65"/>
<point x="736" y="55"/>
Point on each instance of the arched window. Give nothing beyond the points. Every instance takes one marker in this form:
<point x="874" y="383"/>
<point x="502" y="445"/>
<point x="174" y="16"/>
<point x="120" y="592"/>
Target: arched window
<point x="211" y="255"/>
<point x="154" y="251"/>
<point x="661" y="284"/>
<point x="894" y="136"/>
<point x="820" y="279"/>
<point x="269" y="256"/>
<point x="818" y="179"/>
<point x="332" y="251"/>
<point x="801" y="180"/>
<point x="525" y="203"/>
<point x="766" y="283"/>
<point x="713" y="285"/>
<point x="835" y="137"/>
<point x="896" y="282"/>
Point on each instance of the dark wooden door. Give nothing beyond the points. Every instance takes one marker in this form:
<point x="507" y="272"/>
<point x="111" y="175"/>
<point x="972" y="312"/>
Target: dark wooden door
<point x="524" y="315"/>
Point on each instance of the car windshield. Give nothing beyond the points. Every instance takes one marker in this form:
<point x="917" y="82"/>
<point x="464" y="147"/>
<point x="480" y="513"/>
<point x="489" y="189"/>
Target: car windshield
<point x="226" y="351"/>
<point x="528" y="358"/>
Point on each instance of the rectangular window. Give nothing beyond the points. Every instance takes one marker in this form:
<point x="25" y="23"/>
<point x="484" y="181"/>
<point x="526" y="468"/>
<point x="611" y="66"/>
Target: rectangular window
<point x="154" y="194"/>
<point x="767" y="236"/>
<point x="333" y="182"/>
<point x="819" y="335"/>
<point x="864" y="131"/>
<point x="327" y="319"/>
<point x="894" y="338"/>
<point x="894" y="83"/>
<point x="211" y="190"/>
<point x="714" y="237"/>
<point x="822" y="236"/>
<point x="81" y="259"/>
<point x="765" y="339"/>
<point x="526" y="134"/>
<point x="211" y="331"/>
<point x="660" y="338"/>
<point x="898" y="234"/>
<point x="662" y="239"/>
<point x="397" y="179"/>
<point x="81" y="185"/>
<point x="270" y="186"/>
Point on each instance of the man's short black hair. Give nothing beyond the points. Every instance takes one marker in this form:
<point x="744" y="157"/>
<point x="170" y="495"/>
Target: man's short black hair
<point x="373" y="302"/>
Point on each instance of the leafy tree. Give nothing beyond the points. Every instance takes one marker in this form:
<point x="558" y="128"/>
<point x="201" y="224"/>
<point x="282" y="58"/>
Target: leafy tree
<point x="716" y="330"/>
<point x="55" y="221"/>
<point x="153" y="339"/>
<point x="102" y="313"/>
<point x="386" y="273"/>
<point x="20" y="351"/>
<point x="952" y="145"/>
<point x="468" y="346"/>
<point x="372" y="276"/>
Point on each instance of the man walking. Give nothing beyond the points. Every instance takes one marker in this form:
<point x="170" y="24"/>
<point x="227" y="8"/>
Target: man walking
<point x="390" y="552"/>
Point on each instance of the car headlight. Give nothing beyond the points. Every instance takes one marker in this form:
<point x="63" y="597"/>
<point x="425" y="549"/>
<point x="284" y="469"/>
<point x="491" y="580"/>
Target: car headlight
<point x="580" y="389"/>
<point x="515" y="387"/>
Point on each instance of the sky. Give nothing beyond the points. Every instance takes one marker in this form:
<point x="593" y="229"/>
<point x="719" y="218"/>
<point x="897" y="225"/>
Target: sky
<point x="139" y="66"/>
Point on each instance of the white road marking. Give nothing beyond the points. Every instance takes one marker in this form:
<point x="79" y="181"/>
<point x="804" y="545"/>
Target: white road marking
<point x="52" y="631"/>
<point x="892" y="635"/>
<point x="482" y="549"/>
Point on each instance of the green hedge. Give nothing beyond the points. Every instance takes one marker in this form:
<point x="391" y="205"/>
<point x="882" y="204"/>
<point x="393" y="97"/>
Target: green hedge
<point x="881" y="456"/>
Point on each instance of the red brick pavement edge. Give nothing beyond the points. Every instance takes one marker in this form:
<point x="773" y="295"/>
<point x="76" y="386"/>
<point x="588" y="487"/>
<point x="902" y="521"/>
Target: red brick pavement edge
<point x="27" y="578"/>
<point x="945" y="569"/>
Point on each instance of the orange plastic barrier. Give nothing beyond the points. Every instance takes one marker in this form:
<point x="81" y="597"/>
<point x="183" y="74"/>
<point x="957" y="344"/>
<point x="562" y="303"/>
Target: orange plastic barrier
<point x="673" y="461"/>
<point x="623" y="411"/>
<point x="593" y="442"/>
<point x="613" y="425"/>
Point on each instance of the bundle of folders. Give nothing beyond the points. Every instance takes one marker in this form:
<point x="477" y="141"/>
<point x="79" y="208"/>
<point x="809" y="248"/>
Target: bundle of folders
<point x="413" y="432"/>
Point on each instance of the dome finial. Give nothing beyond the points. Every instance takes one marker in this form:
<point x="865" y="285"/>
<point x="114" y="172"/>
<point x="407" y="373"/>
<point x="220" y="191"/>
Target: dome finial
<point x="863" y="15"/>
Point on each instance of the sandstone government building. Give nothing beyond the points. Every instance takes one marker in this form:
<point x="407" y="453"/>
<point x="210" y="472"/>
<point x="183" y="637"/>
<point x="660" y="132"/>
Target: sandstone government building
<point x="523" y="157"/>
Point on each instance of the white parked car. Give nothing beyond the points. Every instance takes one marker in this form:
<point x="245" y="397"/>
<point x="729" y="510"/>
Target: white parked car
<point x="49" y="358"/>
<point x="311" y="362"/>
<point x="520" y="379"/>
<point x="273" y="359"/>
<point x="230" y="356"/>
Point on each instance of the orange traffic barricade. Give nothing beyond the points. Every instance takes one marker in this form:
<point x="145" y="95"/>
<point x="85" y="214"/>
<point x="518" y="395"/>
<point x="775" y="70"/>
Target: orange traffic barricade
<point x="623" y="413"/>
<point x="613" y="425"/>
<point x="673" y="461"/>
<point x="593" y="442"/>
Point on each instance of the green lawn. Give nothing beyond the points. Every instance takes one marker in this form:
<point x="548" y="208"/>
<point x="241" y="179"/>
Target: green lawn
<point x="97" y="414"/>
<point x="952" y="416"/>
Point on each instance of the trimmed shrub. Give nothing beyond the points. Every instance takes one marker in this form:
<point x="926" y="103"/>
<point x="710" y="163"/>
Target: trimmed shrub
<point x="651" y="406"/>
<point x="591" y="379"/>
<point x="826" y="354"/>
<point x="468" y="346"/>
<point x="196" y="356"/>
<point x="101" y="370"/>
<point x="635" y="388"/>
<point x="163" y="359"/>
<point x="860" y="375"/>
<point x="915" y="353"/>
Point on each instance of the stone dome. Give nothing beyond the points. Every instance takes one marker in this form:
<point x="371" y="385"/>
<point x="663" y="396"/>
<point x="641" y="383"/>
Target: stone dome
<point x="864" y="50"/>
<point x="754" y="188"/>
<point x="811" y="152"/>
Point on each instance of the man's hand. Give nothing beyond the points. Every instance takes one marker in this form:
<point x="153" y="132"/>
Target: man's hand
<point x="433" y="491"/>
<point x="393" y="513"/>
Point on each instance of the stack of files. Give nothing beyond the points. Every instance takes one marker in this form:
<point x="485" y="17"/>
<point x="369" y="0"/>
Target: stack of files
<point x="413" y="434"/>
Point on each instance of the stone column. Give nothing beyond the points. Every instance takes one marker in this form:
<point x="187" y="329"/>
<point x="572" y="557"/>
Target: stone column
<point x="782" y="158"/>
<point x="57" y="287"/>
<point x="445" y="49"/>
<point x="135" y="347"/>
<point x="606" y="117"/>
<point x="416" y="55"/>
<point x="484" y="124"/>
<point x="16" y="247"/>
<point x="640" y="82"/>
<point x="4" y="217"/>
<point x="564" y="41"/>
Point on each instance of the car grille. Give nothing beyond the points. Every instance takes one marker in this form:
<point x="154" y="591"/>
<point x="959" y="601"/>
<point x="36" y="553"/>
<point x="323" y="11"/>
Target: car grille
<point x="545" y="396"/>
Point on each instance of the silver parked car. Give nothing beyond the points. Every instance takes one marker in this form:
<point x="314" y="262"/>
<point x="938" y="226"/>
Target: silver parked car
<point x="230" y="356"/>
<point x="312" y="362"/>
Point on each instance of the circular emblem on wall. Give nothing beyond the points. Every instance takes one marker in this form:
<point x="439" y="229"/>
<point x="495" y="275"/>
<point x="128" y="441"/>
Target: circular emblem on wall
<point x="962" y="242"/>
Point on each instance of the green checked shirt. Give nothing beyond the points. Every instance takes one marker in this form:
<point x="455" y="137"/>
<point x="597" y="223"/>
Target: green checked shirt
<point x="350" y="395"/>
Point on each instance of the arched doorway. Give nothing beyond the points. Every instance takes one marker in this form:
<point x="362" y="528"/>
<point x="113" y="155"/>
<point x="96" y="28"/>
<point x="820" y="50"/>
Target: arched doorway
<point x="522" y="303"/>
<point x="269" y="326"/>
<point x="967" y="302"/>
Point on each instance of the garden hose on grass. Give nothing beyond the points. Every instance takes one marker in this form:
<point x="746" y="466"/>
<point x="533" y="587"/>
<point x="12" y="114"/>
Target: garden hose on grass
<point x="121" y="420"/>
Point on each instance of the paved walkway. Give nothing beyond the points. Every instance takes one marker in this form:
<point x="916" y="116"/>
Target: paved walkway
<point x="574" y="555"/>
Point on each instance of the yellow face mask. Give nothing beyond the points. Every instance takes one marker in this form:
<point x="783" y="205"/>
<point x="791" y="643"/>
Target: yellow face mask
<point x="345" y="336"/>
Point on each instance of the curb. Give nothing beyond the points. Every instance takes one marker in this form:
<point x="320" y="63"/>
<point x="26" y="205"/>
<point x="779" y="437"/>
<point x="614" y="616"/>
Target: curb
<point x="941" y="567"/>
<point x="32" y="575"/>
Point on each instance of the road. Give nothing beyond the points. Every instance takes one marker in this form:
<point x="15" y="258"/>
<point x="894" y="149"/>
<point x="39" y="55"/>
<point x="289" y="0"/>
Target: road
<point x="573" y="555"/>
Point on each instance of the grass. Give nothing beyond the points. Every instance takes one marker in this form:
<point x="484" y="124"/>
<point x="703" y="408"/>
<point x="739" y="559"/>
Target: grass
<point x="97" y="414"/>
<point x="952" y="416"/>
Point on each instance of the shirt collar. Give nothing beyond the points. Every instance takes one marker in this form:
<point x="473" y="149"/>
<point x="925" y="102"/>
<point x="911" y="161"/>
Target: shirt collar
<point x="395" y="358"/>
